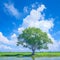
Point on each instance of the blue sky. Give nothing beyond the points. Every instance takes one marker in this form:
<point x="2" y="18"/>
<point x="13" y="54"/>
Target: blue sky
<point x="16" y="15"/>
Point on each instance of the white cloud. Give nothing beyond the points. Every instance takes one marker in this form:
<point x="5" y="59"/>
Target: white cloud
<point x="25" y="9"/>
<point x="13" y="39"/>
<point x="8" y="45"/>
<point x="5" y="47"/>
<point x="55" y="45"/>
<point x="41" y="8"/>
<point x="3" y="39"/>
<point x="12" y="10"/>
<point x="37" y="19"/>
<point x="46" y="25"/>
<point x="33" y="5"/>
<point x="20" y="30"/>
<point x="13" y="36"/>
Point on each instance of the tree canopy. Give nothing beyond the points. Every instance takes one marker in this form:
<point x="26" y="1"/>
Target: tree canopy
<point x="34" y="38"/>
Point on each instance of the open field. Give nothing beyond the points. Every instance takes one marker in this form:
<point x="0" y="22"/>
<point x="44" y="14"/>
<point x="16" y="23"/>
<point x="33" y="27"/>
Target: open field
<point x="37" y="54"/>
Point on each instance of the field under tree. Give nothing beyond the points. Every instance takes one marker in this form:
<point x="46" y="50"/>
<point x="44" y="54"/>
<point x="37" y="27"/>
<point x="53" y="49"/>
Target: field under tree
<point x="37" y="54"/>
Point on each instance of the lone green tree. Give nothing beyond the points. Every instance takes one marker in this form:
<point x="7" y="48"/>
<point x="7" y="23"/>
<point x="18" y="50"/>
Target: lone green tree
<point x="34" y="38"/>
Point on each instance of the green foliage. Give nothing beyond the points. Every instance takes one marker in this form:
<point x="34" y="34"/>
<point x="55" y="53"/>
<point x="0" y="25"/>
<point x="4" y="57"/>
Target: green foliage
<point x="34" y="38"/>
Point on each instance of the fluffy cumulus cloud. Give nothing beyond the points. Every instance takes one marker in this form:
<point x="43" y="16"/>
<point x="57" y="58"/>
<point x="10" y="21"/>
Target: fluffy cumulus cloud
<point x="5" y="40"/>
<point x="12" y="10"/>
<point x="5" y="48"/>
<point x="37" y="19"/>
<point x="5" y="43"/>
<point x="55" y="45"/>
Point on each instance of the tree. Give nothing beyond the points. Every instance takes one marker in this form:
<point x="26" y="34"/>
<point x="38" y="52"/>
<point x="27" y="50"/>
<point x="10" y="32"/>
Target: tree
<point x="34" y="38"/>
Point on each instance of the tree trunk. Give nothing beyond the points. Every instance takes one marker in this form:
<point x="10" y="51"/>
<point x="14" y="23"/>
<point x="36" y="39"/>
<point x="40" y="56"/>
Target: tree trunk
<point x="33" y="51"/>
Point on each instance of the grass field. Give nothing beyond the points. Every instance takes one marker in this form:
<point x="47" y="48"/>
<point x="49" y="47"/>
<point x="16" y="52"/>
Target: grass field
<point x="37" y="54"/>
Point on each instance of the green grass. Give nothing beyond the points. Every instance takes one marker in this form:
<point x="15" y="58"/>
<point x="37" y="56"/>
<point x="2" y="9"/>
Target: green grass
<point x="49" y="54"/>
<point x="37" y="54"/>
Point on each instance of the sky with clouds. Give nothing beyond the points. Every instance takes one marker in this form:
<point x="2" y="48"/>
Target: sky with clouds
<point x="16" y="15"/>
